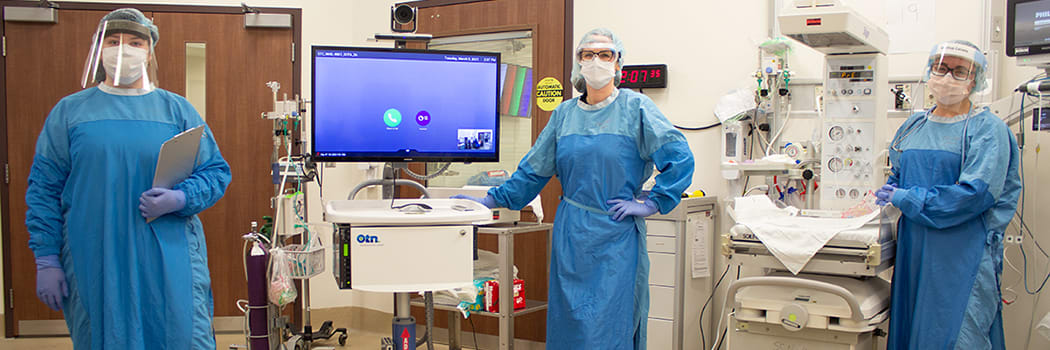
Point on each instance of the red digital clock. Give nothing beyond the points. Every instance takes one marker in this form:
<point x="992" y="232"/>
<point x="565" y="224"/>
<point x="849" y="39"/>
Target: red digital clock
<point x="644" y="76"/>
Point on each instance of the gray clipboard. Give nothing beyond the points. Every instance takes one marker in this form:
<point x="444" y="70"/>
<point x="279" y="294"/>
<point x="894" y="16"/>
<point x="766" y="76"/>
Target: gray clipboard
<point x="177" y="158"/>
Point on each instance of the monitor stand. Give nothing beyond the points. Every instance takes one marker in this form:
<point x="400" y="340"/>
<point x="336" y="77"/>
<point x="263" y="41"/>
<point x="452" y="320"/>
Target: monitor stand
<point x="388" y="174"/>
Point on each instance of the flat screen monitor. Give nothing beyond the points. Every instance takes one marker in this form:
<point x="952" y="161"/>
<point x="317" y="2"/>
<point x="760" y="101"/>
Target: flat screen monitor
<point x="1027" y="27"/>
<point x="1041" y="119"/>
<point x="400" y="105"/>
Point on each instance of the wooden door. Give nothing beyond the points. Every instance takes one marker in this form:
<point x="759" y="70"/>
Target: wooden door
<point x="38" y="73"/>
<point x="550" y="22"/>
<point x="43" y="64"/>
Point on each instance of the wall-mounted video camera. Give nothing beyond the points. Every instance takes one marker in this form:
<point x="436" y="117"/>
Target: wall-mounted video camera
<point x="401" y="16"/>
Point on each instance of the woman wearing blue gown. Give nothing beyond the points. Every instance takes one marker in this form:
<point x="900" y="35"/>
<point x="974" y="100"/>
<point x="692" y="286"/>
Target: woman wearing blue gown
<point x="955" y="180"/>
<point x="123" y="282"/>
<point x="602" y="146"/>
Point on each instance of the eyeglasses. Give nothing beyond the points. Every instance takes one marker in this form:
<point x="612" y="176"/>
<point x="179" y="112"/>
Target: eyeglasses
<point x="959" y="72"/>
<point x="604" y="55"/>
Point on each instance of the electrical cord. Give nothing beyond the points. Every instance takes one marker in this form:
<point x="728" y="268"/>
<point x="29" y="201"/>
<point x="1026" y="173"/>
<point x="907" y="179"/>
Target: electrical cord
<point x="723" y="315"/>
<point x="1023" y="225"/>
<point x="1031" y="322"/>
<point x="1023" y="229"/>
<point x="474" y="333"/>
<point x="697" y="128"/>
<point x="1025" y="266"/>
<point x="703" y="339"/>
<point x="723" y="336"/>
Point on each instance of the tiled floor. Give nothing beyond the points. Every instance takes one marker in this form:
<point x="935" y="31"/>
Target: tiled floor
<point x="358" y="339"/>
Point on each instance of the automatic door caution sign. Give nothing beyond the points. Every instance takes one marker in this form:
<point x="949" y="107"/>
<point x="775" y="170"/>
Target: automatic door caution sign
<point x="548" y="93"/>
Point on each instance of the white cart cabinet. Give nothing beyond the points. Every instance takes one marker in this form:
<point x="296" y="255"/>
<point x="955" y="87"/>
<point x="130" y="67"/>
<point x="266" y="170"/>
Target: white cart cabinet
<point x="679" y="243"/>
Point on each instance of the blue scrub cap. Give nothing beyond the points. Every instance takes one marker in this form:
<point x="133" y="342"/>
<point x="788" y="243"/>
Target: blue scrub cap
<point x="962" y="49"/>
<point x="130" y="14"/>
<point x="593" y="38"/>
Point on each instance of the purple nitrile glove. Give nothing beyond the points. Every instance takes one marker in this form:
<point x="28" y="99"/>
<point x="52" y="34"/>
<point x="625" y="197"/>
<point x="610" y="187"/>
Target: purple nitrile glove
<point x="158" y="201"/>
<point x="50" y="282"/>
<point x="622" y="208"/>
<point x="488" y="201"/>
<point x="885" y="194"/>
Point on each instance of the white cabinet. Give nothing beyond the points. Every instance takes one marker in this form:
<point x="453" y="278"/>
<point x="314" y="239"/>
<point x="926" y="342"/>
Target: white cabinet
<point x="676" y="241"/>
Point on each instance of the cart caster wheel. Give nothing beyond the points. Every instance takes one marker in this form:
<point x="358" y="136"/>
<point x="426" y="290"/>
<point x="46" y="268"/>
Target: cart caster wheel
<point x="342" y="340"/>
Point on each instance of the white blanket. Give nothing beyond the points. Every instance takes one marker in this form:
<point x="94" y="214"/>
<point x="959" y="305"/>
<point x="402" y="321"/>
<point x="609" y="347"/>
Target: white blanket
<point x="791" y="238"/>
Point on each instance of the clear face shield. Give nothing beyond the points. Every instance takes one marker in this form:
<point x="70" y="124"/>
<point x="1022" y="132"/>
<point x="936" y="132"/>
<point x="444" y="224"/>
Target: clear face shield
<point x="955" y="73"/>
<point x="121" y="55"/>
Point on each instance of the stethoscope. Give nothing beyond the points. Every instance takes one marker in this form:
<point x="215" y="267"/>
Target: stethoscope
<point x="917" y="124"/>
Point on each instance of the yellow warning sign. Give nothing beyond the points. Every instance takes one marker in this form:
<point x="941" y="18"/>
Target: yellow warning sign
<point x="548" y="93"/>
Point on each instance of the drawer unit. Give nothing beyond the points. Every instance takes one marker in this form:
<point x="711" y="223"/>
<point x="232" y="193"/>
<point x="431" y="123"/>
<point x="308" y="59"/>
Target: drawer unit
<point x="675" y="297"/>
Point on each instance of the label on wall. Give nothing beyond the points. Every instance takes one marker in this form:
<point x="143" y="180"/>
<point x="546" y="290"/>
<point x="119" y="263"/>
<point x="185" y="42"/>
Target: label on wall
<point x="548" y="93"/>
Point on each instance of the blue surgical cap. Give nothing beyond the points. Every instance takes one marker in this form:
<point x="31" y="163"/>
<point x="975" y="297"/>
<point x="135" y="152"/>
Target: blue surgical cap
<point x="965" y="50"/>
<point x="593" y="38"/>
<point x="130" y="14"/>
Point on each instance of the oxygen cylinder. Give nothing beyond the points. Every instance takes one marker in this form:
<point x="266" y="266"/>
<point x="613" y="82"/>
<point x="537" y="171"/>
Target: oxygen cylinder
<point x="258" y="331"/>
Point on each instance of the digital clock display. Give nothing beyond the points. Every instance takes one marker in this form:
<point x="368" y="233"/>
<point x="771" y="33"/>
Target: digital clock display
<point x="644" y="76"/>
<point x="851" y="74"/>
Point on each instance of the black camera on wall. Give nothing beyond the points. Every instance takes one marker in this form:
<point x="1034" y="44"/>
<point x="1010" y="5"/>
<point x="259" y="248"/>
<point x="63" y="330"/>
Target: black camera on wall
<point x="401" y="16"/>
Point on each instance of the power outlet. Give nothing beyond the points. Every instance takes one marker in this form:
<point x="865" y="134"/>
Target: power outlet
<point x="1018" y="239"/>
<point x="1008" y="239"/>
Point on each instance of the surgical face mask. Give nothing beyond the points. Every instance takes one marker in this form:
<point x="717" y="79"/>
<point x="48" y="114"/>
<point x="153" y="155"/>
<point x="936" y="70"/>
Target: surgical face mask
<point x="131" y="64"/>
<point x="597" y="73"/>
<point x="947" y="90"/>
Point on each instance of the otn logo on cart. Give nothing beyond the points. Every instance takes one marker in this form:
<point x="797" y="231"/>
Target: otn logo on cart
<point x="367" y="240"/>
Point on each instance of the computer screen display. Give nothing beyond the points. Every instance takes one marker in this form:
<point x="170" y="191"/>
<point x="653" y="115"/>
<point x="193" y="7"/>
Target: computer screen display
<point x="1028" y="27"/>
<point x="398" y="105"/>
<point x="1032" y="25"/>
<point x="1041" y="119"/>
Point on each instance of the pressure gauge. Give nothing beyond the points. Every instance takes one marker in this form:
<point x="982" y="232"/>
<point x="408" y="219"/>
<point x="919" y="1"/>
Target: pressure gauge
<point x="835" y="164"/>
<point x="836" y="133"/>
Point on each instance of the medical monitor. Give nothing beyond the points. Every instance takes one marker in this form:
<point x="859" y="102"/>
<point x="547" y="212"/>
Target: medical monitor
<point x="400" y="105"/>
<point x="1028" y="31"/>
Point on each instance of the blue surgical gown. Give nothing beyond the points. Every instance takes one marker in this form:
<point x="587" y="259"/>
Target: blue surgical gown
<point x="958" y="192"/>
<point x="132" y="284"/>
<point x="599" y="268"/>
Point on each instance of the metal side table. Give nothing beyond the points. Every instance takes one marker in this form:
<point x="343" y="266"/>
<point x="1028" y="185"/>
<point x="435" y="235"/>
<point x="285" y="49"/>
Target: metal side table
<point x="506" y="314"/>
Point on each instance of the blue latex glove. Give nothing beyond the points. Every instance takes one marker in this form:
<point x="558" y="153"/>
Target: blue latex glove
<point x="50" y="282"/>
<point x="622" y="208"/>
<point x="158" y="201"/>
<point x="885" y="194"/>
<point x="488" y="201"/>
